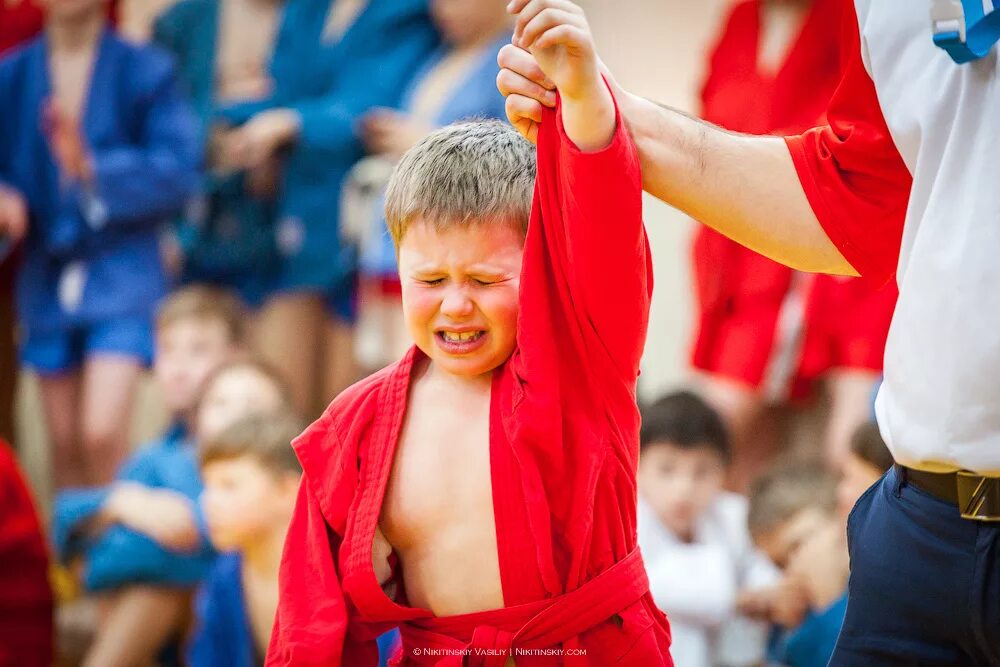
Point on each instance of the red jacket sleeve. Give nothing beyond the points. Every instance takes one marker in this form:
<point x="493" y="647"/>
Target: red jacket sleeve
<point x="310" y="626"/>
<point x="852" y="173"/>
<point x="599" y="242"/>
<point x="25" y="594"/>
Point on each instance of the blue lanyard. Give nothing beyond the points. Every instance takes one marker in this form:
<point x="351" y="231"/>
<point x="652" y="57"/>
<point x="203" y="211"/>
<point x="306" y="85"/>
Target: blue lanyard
<point x="964" y="29"/>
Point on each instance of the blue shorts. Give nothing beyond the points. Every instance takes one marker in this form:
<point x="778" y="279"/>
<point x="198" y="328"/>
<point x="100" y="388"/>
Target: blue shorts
<point x="54" y="352"/>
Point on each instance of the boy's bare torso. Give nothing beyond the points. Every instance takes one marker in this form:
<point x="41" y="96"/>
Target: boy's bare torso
<point x="70" y="74"/>
<point x="438" y="507"/>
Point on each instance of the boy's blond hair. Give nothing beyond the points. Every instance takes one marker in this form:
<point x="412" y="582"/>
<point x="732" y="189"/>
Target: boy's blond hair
<point x="265" y="438"/>
<point x="202" y="302"/>
<point x="781" y="493"/>
<point x="470" y="172"/>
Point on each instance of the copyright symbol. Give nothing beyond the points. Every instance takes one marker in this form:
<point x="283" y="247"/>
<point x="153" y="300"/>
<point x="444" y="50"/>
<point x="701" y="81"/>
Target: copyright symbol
<point x="416" y="651"/>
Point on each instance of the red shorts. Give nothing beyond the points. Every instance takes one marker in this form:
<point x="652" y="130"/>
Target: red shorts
<point x="776" y="331"/>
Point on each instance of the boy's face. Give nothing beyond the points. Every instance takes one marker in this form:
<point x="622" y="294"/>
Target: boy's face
<point x="460" y="294"/>
<point x="244" y="502"/>
<point x="781" y="543"/>
<point x="187" y="351"/>
<point x="680" y="484"/>
<point x="856" y="476"/>
<point x="462" y="21"/>
<point x="236" y="393"/>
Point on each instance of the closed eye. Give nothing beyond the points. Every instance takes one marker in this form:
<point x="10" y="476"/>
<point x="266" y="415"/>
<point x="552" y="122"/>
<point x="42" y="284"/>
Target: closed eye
<point x="432" y="282"/>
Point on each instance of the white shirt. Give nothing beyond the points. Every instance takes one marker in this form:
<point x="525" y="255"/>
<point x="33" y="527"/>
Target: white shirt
<point x="939" y="408"/>
<point x="696" y="584"/>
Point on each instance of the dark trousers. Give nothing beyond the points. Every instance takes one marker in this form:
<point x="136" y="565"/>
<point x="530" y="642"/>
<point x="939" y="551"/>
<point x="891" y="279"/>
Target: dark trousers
<point x="925" y="583"/>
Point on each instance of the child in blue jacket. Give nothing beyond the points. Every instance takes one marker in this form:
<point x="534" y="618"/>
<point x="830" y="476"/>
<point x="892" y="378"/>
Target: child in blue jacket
<point x="98" y="151"/>
<point x="332" y="63"/>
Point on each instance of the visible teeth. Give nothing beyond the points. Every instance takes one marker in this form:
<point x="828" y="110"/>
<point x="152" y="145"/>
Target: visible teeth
<point x="454" y="337"/>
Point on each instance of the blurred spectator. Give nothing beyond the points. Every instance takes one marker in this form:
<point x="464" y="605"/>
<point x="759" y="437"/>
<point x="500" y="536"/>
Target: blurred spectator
<point x="766" y="333"/>
<point x="793" y="512"/>
<point x="458" y="82"/>
<point x="694" y="536"/>
<point x="224" y="49"/>
<point x="820" y="567"/>
<point x="251" y="483"/>
<point x="25" y="594"/>
<point x="233" y="392"/>
<point x="20" y="20"/>
<point x="123" y="533"/>
<point x="867" y="461"/>
<point x="89" y="193"/>
<point x="333" y="62"/>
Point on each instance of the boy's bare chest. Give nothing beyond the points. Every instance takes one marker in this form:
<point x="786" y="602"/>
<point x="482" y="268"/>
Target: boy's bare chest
<point x="247" y="31"/>
<point x="70" y="80"/>
<point x="441" y="472"/>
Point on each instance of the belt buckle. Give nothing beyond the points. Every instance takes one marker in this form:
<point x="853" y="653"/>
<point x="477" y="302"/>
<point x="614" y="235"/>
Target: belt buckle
<point x="978" y="496"/>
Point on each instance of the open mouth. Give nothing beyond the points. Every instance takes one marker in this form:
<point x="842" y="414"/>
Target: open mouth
<point x="460" y="342"/>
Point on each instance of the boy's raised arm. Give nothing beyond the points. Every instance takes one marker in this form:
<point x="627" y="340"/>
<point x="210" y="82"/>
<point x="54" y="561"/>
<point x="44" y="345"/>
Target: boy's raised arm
<point x="596" y="183"/>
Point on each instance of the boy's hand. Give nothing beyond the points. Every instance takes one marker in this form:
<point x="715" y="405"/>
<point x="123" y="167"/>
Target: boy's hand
<point x="784" y="603"/>
<point x="13" y="215"/>
<point x="165" y="516"/>
<point x="261" y="137"/>
<point x="822" y="565"/>
<point x="556" y="33"/>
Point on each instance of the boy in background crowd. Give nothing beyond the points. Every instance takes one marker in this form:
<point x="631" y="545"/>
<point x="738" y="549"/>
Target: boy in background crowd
<point x="693" y="534"/>
<point x="142" y="528"/>
<point x="251" y="481"/>
<point x="92" y="163"/>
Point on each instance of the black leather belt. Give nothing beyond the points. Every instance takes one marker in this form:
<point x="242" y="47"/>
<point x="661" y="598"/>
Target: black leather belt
<point x="977" y="497"/>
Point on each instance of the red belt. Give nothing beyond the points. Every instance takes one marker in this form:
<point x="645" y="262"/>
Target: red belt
<point x="543" y="624"/>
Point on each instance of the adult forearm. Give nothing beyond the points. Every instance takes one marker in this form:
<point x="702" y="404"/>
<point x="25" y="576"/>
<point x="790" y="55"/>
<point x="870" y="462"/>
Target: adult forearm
<point x="742" y="186"/>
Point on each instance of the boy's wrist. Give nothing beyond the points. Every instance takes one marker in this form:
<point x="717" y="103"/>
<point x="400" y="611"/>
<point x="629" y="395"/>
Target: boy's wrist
<point x="589" y="116"/>
<point x="589" y="92"/>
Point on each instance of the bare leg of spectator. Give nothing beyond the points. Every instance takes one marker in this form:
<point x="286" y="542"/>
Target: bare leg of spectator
<point x="288" y="335"/>
<point x="137" y="625"/>
<point x="850" y="406"/>
<point x="340" y="369"/>
<point x="109" y="388"/>
<point x="76" y="626"/>
<point x="60" y="401"/>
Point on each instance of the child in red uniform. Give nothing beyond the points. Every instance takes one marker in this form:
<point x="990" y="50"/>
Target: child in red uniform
<point x="25" y="595"/>
<point x="773" y="71"/>
<point x="481" y="492"/>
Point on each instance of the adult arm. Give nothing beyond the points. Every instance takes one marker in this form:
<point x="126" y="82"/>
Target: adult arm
<point x="742" y="186"/>
<point x="832" y="200"/>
